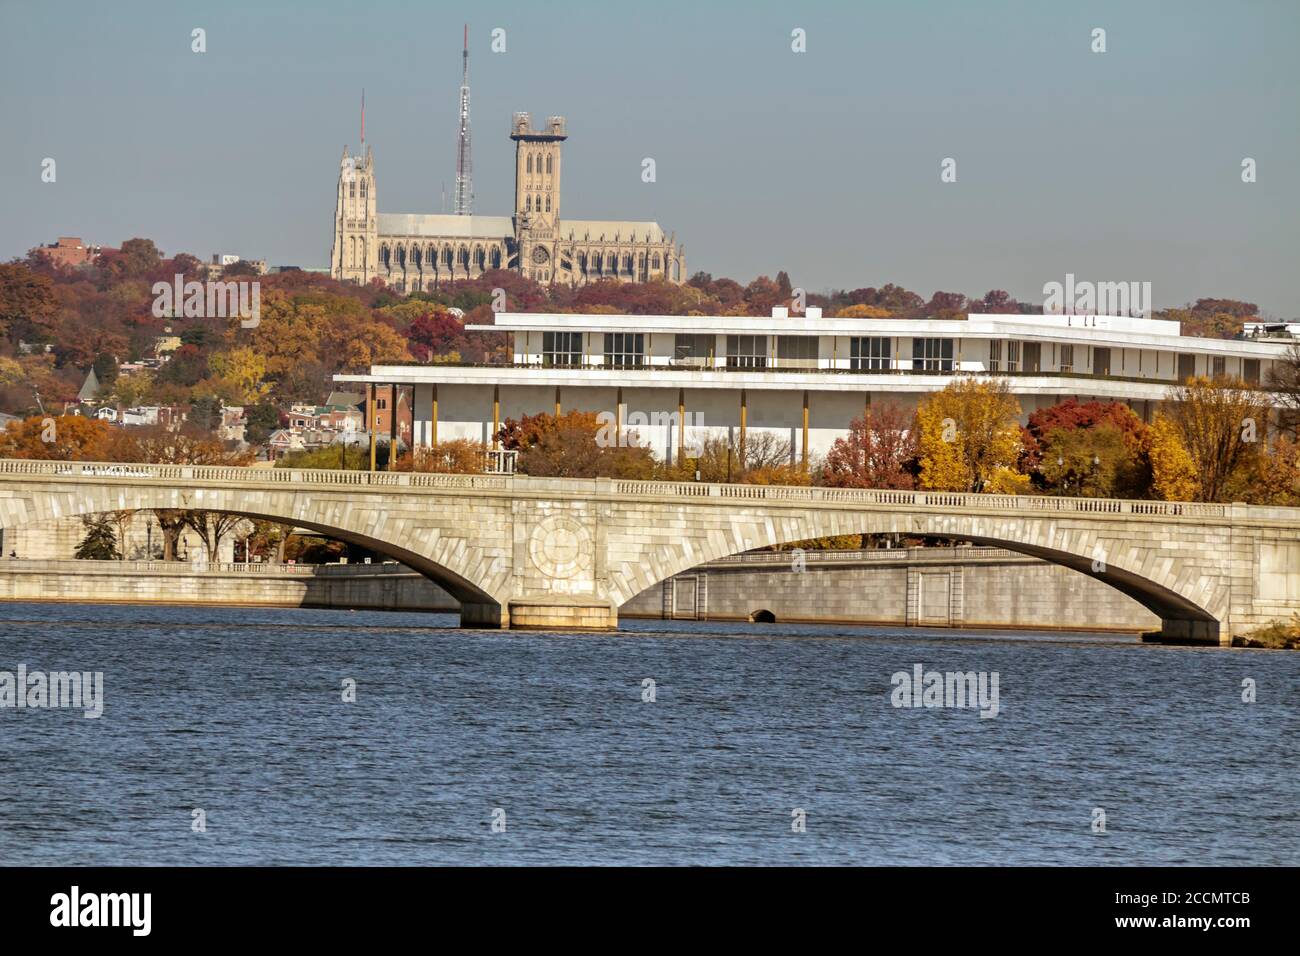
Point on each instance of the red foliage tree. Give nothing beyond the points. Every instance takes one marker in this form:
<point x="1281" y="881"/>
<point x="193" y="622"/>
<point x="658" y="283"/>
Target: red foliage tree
<point x="1071" y="414"/>
<point x="878" y="451"/>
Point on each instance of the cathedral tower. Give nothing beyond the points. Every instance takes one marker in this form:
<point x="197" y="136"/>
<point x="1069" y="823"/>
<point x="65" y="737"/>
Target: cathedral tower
<point x="355" y="256"/>
<point x="537" y="194"/>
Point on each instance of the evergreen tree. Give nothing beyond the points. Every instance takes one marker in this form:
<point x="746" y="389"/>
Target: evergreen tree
<point x="100" y="543"/>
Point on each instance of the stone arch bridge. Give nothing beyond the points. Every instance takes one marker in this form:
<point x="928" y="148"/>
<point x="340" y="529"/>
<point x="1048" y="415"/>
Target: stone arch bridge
<point x="566" y="553"/>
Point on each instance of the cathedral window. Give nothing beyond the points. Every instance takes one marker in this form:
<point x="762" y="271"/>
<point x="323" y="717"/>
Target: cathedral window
<point x="548" y="202"/>
<point x="352" y="190"/>
<point x="530" y="162"/>
<point x="656" y="260"/>
<point x="528" y="204"/>
<point x="548" y="165"/>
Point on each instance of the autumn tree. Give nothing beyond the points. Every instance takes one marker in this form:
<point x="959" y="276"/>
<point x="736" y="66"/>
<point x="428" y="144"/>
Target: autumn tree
<point x="27" y="300"/>
<point x="574" y="445"/>
<point x="1095" y="462"/>
<point x="1284" y="381"/>
<point x="212" y="527"/>
<point x="1092" y="449"/>
<point x="1173" y="473"/>
<point x="459" y="456"/>
<point x="1222" y="423"/>
<point x="432" y="333"/>
<point x="969" y="438"/>
<point x="61" y="438"/>
<point x="763" y="457"/>
<point x="879" y="451"/>
<point x="862" y="312"/>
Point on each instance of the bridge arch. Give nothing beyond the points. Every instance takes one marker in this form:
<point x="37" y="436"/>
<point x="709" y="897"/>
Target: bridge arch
<point x="1187" y="603"/>
<point x="463" y="568"/>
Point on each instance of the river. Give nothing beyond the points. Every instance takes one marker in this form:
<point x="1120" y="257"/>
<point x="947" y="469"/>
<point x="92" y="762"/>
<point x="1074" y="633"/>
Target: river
<point x="763" y="744"/>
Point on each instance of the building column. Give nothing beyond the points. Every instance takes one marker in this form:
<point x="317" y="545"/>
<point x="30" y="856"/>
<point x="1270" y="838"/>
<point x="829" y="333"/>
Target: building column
<point x="392" y="426"/>
<point x="423" y="402"/>
<point x="370" y="421"/>
<point x="618" y="418"/>
<point x="681" y="427"/>
<point x="805" y="430"/>
<point x="743" y="415"/>
<point x="496" y="415"/>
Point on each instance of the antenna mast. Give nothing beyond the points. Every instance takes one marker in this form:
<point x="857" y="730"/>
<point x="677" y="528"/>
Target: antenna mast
<point x="464" y="197"/>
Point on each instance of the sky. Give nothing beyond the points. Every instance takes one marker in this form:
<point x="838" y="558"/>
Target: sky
<point x="1117" y="166"/>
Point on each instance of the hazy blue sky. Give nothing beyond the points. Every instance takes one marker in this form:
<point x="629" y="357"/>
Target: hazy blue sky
<point x="1116" y="166"/>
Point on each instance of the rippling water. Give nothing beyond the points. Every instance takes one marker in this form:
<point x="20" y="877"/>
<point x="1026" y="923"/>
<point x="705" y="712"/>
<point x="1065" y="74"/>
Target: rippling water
<point x="239" y="712"/>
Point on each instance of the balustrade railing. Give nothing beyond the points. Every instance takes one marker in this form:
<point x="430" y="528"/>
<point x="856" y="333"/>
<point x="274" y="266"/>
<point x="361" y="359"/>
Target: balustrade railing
<point x="220" y="474"/>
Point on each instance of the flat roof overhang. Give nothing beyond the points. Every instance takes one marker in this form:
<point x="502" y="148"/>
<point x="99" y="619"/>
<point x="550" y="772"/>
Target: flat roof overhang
<point x="784" y="381"/>
<point x="974" y="328"/>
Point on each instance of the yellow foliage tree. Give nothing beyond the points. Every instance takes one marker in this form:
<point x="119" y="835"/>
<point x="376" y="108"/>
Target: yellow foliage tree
<point x="1173" y="473"/>
<point x="970" y="438"/>
<point x="240" y="373"/>
<point x="862" y="312"/>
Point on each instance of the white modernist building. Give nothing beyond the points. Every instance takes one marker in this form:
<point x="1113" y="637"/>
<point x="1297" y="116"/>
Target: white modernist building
<point x="674" y="380"/>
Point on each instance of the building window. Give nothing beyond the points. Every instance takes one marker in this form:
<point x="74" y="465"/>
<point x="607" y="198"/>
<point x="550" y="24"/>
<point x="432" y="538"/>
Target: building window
<point x="1250" y="370"/>
<point x="1220" y="366"/>
<point x="931" y="355"/>
<point x="1033" y="356"/>
<point x="1067" y="358"/>
<point x="870" y="353"/>
<point x="1187" y="366"/>
<point x="746" y="351"/>
<point x="1012" y="352"/>
<point x="548" y="202"/>
<point x="561" y="349"/>
<point x="530" y="162"/>
<point x="1101" y="361"/>
<point x="548" y="165"/>
<point x="797" y="351"/>
<point x="692" y="348"/>
<point x="624" y="349"/>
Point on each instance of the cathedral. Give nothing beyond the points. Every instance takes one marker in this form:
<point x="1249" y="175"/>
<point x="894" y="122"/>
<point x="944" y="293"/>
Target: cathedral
<point x="414" y="251"/>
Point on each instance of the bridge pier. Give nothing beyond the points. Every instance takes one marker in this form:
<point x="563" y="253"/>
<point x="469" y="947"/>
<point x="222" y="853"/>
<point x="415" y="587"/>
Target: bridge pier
<point x="564" y="614"/>
<point x="1182" y="631"/>
<point x="541" y="614"/>
<point x="483" y="616"/>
